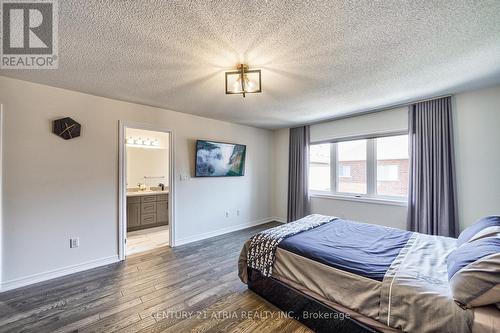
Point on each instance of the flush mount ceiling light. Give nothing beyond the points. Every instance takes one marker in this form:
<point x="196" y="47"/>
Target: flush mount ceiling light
<point x="243" y="81"/>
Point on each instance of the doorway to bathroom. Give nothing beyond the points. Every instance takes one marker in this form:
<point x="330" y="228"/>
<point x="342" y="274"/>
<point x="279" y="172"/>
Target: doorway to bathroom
<point x="146" y="188"/>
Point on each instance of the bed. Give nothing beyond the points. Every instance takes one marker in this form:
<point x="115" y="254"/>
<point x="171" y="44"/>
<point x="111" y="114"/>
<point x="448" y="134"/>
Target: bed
<point x="338" y="275"/>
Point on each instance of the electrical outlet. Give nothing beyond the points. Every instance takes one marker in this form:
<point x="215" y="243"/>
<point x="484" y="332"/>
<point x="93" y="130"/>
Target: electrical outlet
<point x="74" y="242"/>
<point x="227" y="214"/>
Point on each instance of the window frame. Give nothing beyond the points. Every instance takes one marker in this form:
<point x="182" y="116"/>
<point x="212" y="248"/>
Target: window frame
<point x="371" y="172"/>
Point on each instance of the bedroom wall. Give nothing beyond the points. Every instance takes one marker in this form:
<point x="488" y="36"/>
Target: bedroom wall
<point x="382" y="214"/>
<point x="56" y="189"/>
<point x="477" y="145"/>
<point x="476" y="119"/>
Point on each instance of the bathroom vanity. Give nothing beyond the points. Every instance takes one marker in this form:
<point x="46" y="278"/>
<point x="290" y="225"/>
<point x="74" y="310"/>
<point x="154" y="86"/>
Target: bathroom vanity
<point x="146" y="209"/>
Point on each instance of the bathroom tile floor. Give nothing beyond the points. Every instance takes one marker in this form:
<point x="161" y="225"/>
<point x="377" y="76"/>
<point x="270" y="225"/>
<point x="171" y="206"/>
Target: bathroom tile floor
<point x="146" y="239"/>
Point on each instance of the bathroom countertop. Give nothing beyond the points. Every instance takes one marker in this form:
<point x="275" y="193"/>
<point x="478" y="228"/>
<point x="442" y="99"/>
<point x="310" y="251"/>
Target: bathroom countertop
<point x="142" y="193"/>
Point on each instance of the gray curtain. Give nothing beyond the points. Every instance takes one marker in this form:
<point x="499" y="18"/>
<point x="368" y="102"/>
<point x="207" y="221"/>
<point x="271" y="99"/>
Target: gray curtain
<point x="298" y="173"/>
<point x="432" y="205"/>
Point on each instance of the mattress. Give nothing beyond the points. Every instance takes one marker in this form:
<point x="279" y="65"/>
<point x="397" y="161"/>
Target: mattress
<point x="363" y="249"/>
<point x="359" y="293"/>
<point x="355" y="295"/>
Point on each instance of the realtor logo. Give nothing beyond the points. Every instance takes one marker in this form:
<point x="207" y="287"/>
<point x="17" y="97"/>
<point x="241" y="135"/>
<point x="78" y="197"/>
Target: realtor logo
<point x="29" y="34"/>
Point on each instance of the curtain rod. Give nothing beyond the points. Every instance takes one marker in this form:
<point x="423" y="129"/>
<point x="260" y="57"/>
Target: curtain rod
<point x="374" y="110"/>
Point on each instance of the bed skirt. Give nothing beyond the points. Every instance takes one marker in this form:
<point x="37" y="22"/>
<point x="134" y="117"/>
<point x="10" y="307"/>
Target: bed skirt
<point x="310" y="312"/>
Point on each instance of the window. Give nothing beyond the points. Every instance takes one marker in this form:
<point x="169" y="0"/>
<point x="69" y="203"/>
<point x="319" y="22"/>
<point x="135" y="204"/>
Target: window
<point x="351" y="155"/>
<point x="392" y="166"/>
<point x="319" y="167"/>
<point x="376" y="168"/>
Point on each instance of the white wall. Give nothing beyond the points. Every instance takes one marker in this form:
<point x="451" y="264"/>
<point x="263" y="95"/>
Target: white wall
<point x="55" y="189"/>
<point x="383" y="214"/>
<point x="477" y="141"/>
<point x="477" y="146"/>
<point x="147" y="162"/>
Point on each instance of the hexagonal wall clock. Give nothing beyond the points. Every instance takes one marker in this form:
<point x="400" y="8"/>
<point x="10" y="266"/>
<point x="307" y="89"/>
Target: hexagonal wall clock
<point x="66" y="128"/>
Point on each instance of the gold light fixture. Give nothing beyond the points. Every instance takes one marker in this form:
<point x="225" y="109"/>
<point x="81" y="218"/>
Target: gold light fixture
<point x="243" y="81"/>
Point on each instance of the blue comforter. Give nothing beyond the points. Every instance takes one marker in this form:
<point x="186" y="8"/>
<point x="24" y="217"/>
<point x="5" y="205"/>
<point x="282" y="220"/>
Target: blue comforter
<point x="363" y="249"/>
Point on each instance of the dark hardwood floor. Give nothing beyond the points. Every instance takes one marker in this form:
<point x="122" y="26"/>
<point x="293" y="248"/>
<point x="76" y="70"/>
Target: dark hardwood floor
<point x="191" y="288"/>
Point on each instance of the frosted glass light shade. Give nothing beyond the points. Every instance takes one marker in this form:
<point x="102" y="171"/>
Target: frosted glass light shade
<point x="251" y="82"/>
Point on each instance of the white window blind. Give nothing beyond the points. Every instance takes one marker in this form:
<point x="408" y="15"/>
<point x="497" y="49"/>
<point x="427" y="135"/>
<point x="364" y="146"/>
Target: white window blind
<point x="372" y="124"/>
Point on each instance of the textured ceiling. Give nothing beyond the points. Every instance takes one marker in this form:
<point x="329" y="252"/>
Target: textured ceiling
<point x="319" y="59"/>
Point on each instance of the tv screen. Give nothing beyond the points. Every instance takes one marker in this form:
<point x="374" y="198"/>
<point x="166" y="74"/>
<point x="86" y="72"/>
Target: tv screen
<point x="219" y="159"/>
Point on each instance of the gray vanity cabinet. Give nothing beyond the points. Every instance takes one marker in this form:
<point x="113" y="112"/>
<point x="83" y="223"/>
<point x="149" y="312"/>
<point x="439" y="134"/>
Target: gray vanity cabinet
<point x="146" y="211"/>
<point x="133" y="215"/>
<point x="162" y="212"/>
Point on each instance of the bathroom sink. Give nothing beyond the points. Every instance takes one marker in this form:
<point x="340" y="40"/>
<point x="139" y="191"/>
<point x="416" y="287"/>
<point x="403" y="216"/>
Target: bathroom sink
<point x="137" y="192"/>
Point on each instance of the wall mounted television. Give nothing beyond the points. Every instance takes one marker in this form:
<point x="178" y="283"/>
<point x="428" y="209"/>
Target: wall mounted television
<point x="219" y="159"/>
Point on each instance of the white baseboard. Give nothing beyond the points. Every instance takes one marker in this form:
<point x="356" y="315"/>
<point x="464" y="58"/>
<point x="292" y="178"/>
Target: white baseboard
<point x="44" y="276"/>
<point x="59" y="272"/>
<point x="279" y="219"/>
<point x="222" y="231"/>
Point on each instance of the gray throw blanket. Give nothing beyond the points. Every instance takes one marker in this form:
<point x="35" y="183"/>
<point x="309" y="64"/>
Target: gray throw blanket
<point x="262" y="249"/>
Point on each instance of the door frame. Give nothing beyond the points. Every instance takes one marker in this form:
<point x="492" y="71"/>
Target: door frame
<point x="122" y="182"/>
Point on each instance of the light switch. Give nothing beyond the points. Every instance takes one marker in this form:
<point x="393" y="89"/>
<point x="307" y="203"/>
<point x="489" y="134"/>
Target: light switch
<point x="74" y="242"/>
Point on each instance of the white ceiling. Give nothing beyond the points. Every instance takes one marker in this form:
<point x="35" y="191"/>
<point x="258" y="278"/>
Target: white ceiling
<point x="319" y="59"/>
